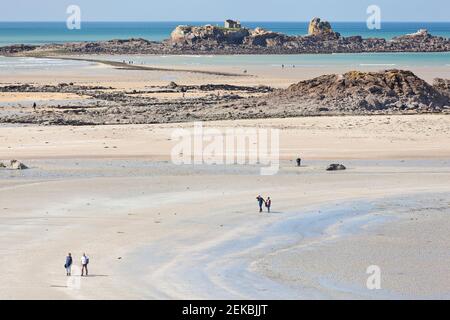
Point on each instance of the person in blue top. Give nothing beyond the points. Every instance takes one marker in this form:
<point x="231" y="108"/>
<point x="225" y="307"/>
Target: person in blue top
<point x="260" y="202"/>
<point x="68" y="264"/>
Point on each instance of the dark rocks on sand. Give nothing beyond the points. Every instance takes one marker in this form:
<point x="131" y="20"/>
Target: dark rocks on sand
<point x="336" y="167"/>
<point x="17" y="165"/>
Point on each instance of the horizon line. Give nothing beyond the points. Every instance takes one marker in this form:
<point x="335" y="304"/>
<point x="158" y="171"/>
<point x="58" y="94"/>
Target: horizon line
<point x="206" y="21"/>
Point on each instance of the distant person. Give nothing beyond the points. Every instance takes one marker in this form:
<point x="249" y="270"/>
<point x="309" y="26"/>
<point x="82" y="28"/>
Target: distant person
<point x="68" y="265"/>
<point x="260" y="202"/>
<point x="183" y="91"/>
<point x="84" y="264"/>
<point x="268" y="204"/>
<point x="34" y="106"/>
<point x="282" y="66"/>
<point x="299" y="162"/>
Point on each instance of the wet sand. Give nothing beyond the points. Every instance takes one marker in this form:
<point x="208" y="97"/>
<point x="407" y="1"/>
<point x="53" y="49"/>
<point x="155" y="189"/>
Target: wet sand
<point x="121" y="76"/>
<point x="155" y="230"/>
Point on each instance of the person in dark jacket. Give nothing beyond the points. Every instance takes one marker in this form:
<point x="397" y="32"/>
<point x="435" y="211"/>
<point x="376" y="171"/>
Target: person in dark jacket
<point x="260" y="202"/>
<point x="68" y="264"/>
<point x="268" y="204"/>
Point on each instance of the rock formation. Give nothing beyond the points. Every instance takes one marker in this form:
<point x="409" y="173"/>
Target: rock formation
<point x="211" y="39"/>
<point x="370" y="91"/>
<point x="319" y="28"/>
<point x="336" y="167"/>
<point x="14" y="165"/>
<point x="208" y="34"/>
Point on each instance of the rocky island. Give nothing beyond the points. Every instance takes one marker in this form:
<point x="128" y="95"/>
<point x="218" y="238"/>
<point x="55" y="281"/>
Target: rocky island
<point x="210" y="39"/>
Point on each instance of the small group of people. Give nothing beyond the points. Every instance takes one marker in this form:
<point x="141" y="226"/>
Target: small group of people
<point x="84" y="264"/>
<point x="267" y="203"/>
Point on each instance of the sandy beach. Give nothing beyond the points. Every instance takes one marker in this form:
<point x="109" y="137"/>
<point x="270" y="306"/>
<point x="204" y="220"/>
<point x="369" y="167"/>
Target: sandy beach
<point x="155" y="230"/>
<point x="215" y="159"/>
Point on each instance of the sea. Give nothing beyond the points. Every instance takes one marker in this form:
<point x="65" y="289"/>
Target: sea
<point x="57" y="32"/>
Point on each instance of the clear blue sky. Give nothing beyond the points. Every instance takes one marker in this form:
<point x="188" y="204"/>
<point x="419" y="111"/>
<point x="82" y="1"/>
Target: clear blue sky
<point x="216" y="10"/>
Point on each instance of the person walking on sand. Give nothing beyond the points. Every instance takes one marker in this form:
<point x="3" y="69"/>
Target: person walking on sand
<point x="68" y="264"/>
<point x="84" y="264"/>
<point x="268" y="204"/>
<point x="260" y="202"/>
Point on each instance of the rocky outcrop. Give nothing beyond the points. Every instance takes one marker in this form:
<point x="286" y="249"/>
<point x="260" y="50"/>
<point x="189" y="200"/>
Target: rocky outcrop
<point x="14" y="49"/>
<point x="115" y="46"/>
<point x="211" y="39"/>
<point x="208" y="34"/>
<point x="369" y="91"/>
<point x="319" y="28"/>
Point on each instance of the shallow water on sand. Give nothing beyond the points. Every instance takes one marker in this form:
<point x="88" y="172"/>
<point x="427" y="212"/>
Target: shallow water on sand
<point x="243" y="264"/>
<point x="382" y="60"/>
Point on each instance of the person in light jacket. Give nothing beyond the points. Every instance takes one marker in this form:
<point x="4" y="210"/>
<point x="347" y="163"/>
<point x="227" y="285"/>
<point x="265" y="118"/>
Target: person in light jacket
<point x="84" y="264"/>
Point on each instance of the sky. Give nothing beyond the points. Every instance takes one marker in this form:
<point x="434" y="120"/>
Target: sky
<point x="218" y="10"/>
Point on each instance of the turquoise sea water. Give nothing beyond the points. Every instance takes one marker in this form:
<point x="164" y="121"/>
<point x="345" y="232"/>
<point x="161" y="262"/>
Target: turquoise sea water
<point x="356" y="60"/>
<point x="56" y="32"/>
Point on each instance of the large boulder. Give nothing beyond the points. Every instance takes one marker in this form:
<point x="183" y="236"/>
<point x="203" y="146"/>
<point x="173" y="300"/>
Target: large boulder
<point x="336" y="167"/>
<point x="17" y="165"/>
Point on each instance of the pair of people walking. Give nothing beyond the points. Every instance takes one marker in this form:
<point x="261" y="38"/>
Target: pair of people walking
<point x="261" y="202"/>
<point x="84" y="264"/>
